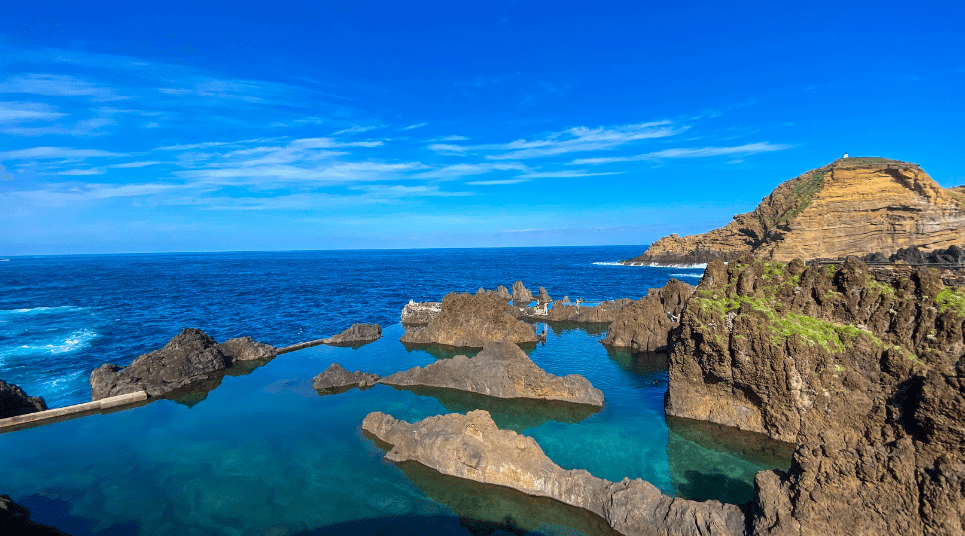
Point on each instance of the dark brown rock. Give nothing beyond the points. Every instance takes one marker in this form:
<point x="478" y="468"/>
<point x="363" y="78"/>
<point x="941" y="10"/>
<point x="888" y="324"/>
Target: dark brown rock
<point x="190" y="357"/>
<point x="471" y="321"/>
<point x="15" y="521"/>
<point x="358" y="333"/>
<point x="472" y="447"/>
<point x="860" y="370"/>
<point x="247" y="349"/>
<point x="522" y="297"/>
<point x="645" y="325"/>
<point x="14" y="401"/>
<point x="336" y="379"/>
<point x="501" y="370"/>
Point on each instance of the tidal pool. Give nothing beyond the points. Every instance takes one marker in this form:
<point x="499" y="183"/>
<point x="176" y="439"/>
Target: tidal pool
<point x="264" y="453"/>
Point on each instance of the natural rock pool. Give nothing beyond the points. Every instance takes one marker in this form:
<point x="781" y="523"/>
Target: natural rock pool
<point x="264" y="453"/>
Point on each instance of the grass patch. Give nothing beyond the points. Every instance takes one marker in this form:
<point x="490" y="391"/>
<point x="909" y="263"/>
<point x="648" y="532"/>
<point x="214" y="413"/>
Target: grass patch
<point x="800" y="197"/>
<point x="881" y="288"/>
<point x="951" y="299"/>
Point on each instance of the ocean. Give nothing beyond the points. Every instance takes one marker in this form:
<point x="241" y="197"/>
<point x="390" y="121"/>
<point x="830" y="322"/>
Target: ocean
<point x="263" y="453"/>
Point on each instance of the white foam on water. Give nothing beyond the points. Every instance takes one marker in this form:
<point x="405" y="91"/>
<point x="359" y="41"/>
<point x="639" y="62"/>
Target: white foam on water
<point x="609" y="264"/>
<point x="687" y="275"/>
<point x="652" y="265"/>
<point x="58" y="384"/>
<point x="75" y="340"/>
<point x="41" y="310"/>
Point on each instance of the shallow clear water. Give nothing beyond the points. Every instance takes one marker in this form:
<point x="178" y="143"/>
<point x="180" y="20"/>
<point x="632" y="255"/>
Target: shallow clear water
<point x="263" y="453"/>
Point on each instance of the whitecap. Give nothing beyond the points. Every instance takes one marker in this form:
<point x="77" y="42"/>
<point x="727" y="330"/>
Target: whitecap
<point x="58" y="384"/>
<point x="687" y="275"/>
<point x="700" y="266"/>
<point x="609" y="263"/>
<point x="74" y="341"/>
<point x="42" y="310"/>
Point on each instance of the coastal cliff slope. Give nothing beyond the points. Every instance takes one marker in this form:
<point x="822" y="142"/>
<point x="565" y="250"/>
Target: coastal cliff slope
<point x="853" y="206"/>
<point x="862" y="369"/>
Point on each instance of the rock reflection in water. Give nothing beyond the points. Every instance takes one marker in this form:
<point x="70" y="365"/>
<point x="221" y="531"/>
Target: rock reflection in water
<point x="640" y="363"/>
<point x="711" y="461"/>
<point x="591" y="328"/>
<point x="441" y="351"/>
<point x="193" y="393"/>
<point x="484" y="509"/>
<point x="515" y="414"/>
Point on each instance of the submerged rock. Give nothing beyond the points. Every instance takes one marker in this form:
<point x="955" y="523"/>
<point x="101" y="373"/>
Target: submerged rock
<point x="358" y="333"/>
<point x="189" y="357"/>
<point x="420" y="313"/>
<point x="501" y="370"/>
<point x="15" y="521"/>
<point x="472" y="447"/>
<point x="645" y="325"/>
<point x="14" y="401"/>
<point x="336" y="379"/>
<point x="471" y="321"/>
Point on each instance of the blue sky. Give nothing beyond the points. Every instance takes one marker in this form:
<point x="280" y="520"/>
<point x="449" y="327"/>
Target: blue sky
<point x="323" y="125"/>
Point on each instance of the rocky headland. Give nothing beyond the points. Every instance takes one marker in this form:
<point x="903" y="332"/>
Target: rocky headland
<point x="190" y="357"/>
<point x="472" y="447"/>
<point x="465" y="320"/>
<point x="853" y="206"/>
<point x="14" y="401"/>
<point x="863" y="371"/>
<point x="645" y="325"/>
<point x="501" y="370"/>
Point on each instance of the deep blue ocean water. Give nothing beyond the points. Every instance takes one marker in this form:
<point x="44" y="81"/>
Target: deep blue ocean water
<point x="263" y="453"/>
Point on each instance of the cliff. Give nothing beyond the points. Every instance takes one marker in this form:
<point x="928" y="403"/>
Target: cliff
<point x="853" y="206"/>
<point x="862" y="369"/>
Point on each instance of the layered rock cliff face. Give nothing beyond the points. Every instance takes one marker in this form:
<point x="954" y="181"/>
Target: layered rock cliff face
<point x="853" y="206"/>
<point x="864" y="371"/>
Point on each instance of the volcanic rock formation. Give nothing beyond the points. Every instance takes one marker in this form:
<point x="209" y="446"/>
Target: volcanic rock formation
<point x="471" y="321"/>
<point x="501" y="370"/>
<point x="863" y="371"/>
<point x="472" y="447"/>
<point x="336" y="379"/>
<point x="420" y="313"/>
<point x="645" y="325"/>
<point x="853" y="206"/>
<point x="190" y="357"/>
<point x="15" y="521"/>
<point x="358" y="333"/>
<point x="14" y="401"/>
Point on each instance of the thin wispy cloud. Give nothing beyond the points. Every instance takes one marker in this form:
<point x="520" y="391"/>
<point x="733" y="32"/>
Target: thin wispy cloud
<point x="499" y="182"/>
<point x="19" y="112"/>
<point x="415" y="126"/>
<point x="65" y="153"/>
<point x="577" y="139"/>
<point x="54" y="85"/>
<point x="695" y="152"/>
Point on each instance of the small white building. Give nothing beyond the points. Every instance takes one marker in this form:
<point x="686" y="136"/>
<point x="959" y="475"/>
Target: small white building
<point x="845" y="155"/>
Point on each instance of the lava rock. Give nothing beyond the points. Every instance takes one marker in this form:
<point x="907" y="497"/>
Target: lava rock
<point x="14" y="401"/>
<point x="472" y="321"/>
<point x="358" y="333"/>
<point x="500" y="370"/>
<point x="336" y="379"/>
<point x="472" y="447"/>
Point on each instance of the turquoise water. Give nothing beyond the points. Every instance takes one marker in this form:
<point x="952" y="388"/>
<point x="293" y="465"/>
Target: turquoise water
<point x="263" y="453"/>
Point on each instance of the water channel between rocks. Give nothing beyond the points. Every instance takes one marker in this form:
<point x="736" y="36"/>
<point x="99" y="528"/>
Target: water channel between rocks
<point x="263" y="453"/>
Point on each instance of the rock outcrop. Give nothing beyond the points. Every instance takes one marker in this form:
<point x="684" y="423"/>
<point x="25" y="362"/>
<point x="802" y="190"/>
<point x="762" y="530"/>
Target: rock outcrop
<point x="336" y="379"/>
<point x="914" y="255"/>
<point x="864" y="372"/>
<point x="357" y="334"/>
<point x="420" y="313"/>
<point x="501" y="370"/>
<point x="14" y="401"/>
<point x="190" y="357"/>
<point x="522" y="297"/>
<point x="471" y="321"/>
<point x="562" y="311"/>
<point x="15" y="521"/>
<point x="645" y="325"/>
<point x="472" y="447"/>
<point x="853" y="206"/>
